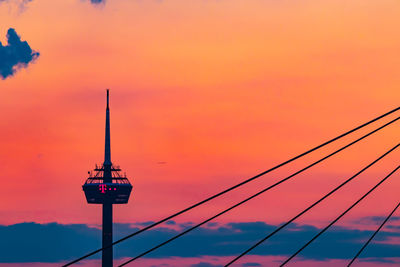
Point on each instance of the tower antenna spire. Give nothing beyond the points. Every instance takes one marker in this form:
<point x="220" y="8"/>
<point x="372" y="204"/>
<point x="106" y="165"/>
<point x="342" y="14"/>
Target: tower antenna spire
<point x="107" y="149"/>
<point x="108" y="94"/>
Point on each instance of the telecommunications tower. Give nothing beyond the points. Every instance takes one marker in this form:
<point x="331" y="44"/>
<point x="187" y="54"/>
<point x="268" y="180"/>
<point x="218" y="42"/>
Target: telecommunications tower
<point x="107" y="186"/>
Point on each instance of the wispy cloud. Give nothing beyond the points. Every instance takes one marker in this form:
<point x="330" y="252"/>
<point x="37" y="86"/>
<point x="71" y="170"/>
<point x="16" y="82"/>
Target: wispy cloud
<point x="20" y="5"/>
<point x="205" y="264"/>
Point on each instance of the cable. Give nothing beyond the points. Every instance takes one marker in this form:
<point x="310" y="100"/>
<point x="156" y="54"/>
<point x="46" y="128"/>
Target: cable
<point x="310" y="207"/>
<point x="340" y="216"/>
<point x="372" y="237"/>
<point x="231" y="188"/>
<point x="266" y="189"/>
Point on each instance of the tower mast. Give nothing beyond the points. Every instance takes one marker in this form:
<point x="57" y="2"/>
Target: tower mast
<point x="107" y="148"/>
<point x="107" y="255"/>
<point x="107" y="187"/>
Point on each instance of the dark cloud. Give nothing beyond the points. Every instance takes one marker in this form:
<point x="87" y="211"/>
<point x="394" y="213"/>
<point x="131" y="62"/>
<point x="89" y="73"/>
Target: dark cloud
<point x="15" y="55"/>
<point x="56" y="242"/>
<point x="32" y="242"/>
<point x="378" y="260"/>
<point x="96" y="2"/>
<point x="248" y="264"/>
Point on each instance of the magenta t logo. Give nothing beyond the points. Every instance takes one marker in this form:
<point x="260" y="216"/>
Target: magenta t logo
<point x="103" y="188"/>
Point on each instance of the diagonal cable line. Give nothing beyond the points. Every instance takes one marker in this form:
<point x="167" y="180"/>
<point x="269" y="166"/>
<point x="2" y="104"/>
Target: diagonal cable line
<point x="266" y="189"/>
<point x="233" y="187"/>
<point x="340" y="216"/>
<point x="372" y="237"/>
<point x="311" y="206"/>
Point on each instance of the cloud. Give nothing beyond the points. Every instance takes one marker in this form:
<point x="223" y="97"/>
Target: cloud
<point x="248" y="264"/>
<point x="16" y="1"/>
<point x="376" y="219"/>
<point x="15" y="55"/>
<point x="144" y="223"/>
<point x="96" y="2"/>
<point x="205" y="264"/>
<point x="57" y="242"/>
<point x="18" y="5"/>
<point x="32" y="242"/>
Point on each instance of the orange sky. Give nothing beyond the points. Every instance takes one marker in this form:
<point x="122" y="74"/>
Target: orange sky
<point x="219" y="90"/>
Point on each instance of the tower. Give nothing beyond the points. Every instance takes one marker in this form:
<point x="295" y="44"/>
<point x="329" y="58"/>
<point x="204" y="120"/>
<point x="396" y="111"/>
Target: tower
<point x="107" y="186"/>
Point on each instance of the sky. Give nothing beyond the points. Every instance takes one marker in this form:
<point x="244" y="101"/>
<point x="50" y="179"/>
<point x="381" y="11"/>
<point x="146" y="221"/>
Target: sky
<point x="204" y="94"/>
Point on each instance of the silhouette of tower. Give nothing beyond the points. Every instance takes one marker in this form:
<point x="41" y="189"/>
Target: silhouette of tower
<point x="107" y="186"/>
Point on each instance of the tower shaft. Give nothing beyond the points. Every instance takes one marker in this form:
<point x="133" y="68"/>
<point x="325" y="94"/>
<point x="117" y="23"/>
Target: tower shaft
<point x="107" y="256"/>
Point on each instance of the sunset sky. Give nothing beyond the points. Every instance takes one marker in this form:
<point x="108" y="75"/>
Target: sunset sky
<point x="204" y="94"/>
